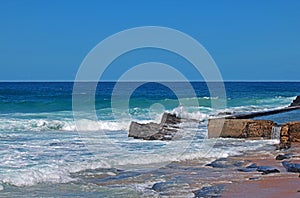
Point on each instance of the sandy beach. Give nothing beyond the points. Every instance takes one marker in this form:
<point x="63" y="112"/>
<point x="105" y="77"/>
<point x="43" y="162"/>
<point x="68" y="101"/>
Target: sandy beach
<point x="271" y="185"/>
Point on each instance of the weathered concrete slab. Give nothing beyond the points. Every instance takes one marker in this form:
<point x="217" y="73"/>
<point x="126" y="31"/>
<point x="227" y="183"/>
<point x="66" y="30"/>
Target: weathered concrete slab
<point x="240" y="128"/>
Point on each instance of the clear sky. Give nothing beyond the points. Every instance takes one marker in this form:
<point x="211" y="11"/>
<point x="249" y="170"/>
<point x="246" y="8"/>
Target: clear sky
<point x="249" y="40"/>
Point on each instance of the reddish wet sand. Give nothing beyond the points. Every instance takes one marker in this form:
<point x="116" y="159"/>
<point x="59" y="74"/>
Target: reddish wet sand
<point x="283" y="184"/>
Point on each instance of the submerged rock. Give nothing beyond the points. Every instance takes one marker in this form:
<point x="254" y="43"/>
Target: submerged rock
<point x="209" y="191"/>
<point x="166" y="130"/>
<point x="267" y="170"/>
<point x="172" y="189"/>
<point x="264" y="169"/>
<point x="225" y="163"/>
<point x="162" y="186"/>
<point x="291" y="167"/>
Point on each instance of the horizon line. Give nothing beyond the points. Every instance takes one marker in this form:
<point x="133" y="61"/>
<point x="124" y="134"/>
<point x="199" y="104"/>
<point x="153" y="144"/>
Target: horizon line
<point x="72" y="81"/>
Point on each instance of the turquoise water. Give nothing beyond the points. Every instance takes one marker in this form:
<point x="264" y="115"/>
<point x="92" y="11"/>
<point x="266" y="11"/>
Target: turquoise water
<point x="40" y="147"/>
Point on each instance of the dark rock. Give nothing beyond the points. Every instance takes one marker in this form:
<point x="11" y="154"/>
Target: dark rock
<point x="296" y="102"/>
<point x="158" y="187"/>
<point x="170" y="119"/>
<point x="250" y="168"/>
<point x="267" y="170"/>
<point x="219" y="163"/>
<point x="283" y="156"/>
<point x="264" y="169"/>
<point x="254" y="178"/>
<point x="224" y="113"/>
<point x="247" y="170"/>
<point x="225" y="163"/>
<point x="166" y="130"/>
<point x="291" y="167"/>
<point x="166" y="187"/>
<point x="209" y="191"/>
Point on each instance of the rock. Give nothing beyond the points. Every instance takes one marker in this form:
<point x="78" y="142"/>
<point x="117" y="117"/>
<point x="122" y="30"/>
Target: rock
<point x="294" y="131"/>
<point x="250" y="168"/>
<point x="220" y="163"/>
<point x="247" y="170"/>
<point x="296" y="102"/>
<point x="264" y="169"/>
<point x="290" y="132"/>
<point x="224" y="113"/>
<point x="161" y="186"/>
<point x="143" y="131"/>
<point x="285" y="138"/>
<point x="239" y="128"/>
<point x="254" y="178"/>
<point x="267" y="170"/>
<point x="225" y="163"/>
<point x="283" y="156"/>
<point x="209" y="191"/>
<point x="170" y="119"/>
<point x="166" y="130"/>
<point x="291" y="167"/>
<point x="172" y="189"/>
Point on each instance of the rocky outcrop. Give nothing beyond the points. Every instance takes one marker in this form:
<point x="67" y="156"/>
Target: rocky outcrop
<point x="240" y="128"/>
<point x="165" y="130"/>
<point x="285" y="138"/>
<point x="290" y="132"/>
<point x="294" y="131"/>
<point x="296" y="102"/>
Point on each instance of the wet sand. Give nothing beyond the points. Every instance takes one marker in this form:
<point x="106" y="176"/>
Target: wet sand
<point x="283" y="184"/>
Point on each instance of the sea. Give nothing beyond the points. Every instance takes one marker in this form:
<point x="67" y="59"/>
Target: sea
<point x="46" y="151"/>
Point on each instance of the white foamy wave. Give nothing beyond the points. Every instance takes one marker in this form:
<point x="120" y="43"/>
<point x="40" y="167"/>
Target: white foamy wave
<point x="90" y="125"/>
<point x="183" y="113"/>
<point x="37" y="125"/>
<point x="277" y="100"/>
<point x="210" y="98"/>
<point x="29" y="177"/>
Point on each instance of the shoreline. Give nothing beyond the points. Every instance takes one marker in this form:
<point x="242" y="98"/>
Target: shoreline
<point x="271" y="185"/>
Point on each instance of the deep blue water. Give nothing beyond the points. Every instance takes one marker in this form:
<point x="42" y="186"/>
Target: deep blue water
<point x="40" y="146"/>
<point x="27" y="97"/>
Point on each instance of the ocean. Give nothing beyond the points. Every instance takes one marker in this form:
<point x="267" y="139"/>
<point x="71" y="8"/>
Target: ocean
<point x="43" y="154"/>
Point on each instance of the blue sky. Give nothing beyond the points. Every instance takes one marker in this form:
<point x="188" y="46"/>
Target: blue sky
<point x="249" y="40"/>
